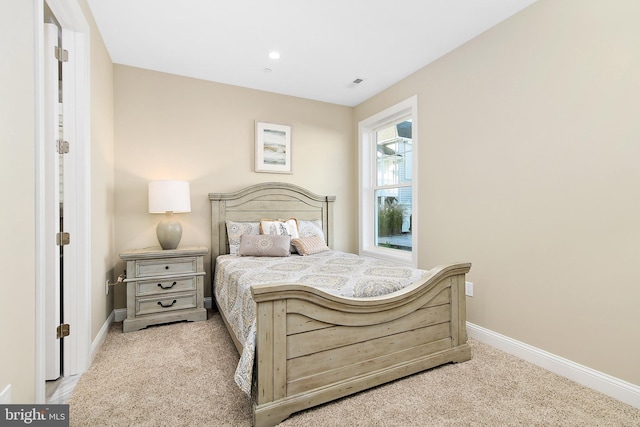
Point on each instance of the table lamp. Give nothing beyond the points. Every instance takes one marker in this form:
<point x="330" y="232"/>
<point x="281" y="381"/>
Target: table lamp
<point x="169" y="197"/>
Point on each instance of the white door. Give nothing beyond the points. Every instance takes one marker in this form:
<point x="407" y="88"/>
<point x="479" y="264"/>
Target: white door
<point x="52" y="130"/>
<point x="60" y="206"/>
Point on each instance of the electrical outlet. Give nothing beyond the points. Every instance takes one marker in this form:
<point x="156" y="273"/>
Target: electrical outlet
<point x="469" y="289"/>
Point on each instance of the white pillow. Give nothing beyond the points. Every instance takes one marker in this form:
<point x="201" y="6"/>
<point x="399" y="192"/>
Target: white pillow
<point x="311" y="228"/>
<point x="280" y="227"/>
<point x="236" y="229"/>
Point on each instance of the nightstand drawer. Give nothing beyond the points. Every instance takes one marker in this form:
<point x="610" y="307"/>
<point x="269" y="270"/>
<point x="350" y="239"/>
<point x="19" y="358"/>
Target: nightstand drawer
<point x="165" y="304"/>
<point x="166" y="266"/>
<point x="157" y="287"/>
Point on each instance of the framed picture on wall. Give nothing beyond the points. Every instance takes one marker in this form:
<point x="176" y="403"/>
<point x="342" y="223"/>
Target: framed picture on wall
<point x="273" y="148"/>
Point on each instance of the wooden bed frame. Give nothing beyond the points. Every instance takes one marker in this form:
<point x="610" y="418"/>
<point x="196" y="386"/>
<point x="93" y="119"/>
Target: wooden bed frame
<point x="312" y="347"/>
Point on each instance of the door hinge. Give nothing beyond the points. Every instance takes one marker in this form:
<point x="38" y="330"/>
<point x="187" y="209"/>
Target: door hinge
<point x="62" y="331"/>
<point x="63" y="238"/>
<point x="63" y="146"/>
<point x="62" y="55"/>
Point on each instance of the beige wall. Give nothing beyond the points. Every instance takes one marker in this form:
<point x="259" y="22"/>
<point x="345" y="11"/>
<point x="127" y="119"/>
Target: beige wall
<point x="17" y="246"/>
<point x="171" y="127"/>
<point x="102" y="176"/>
<point x="529" y="144"/>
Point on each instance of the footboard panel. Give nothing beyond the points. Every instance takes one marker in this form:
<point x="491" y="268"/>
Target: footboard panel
<point x="313" y="342"/>
<point x="313" y="347"/>
<point x="327" y="367"/>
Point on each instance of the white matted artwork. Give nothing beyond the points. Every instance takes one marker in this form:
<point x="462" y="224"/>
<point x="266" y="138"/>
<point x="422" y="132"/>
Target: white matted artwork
<point x="273" y="148"/>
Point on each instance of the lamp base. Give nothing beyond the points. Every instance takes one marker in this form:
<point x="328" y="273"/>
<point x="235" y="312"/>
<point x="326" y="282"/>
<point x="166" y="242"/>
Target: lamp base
<point x="169" y="232"/>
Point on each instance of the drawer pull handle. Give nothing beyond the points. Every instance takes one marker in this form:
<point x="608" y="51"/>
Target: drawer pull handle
<point x="167" y="287"/>
<point x="166" y="306"/>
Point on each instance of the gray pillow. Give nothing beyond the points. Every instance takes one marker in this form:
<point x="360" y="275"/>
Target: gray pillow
<point x="264" y="245"/>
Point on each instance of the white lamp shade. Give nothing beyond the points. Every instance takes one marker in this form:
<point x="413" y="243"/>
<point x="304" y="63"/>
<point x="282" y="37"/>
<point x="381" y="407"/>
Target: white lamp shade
<point x="169" y="196"/>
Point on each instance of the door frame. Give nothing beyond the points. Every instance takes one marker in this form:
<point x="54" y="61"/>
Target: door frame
<point x="77" y="296"/>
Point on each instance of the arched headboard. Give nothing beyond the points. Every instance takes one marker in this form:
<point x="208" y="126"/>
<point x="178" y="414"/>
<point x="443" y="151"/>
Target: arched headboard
<point x="270" y="200"/>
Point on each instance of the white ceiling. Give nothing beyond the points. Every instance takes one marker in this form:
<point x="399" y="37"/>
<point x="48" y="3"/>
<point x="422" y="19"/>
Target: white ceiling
<point x="324" y="44"/>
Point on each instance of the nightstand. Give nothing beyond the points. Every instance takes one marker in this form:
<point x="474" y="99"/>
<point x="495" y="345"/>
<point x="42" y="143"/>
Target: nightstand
<point x="164" y="286"/>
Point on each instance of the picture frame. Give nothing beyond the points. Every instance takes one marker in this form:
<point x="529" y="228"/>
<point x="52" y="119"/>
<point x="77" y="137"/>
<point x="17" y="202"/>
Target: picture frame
<point x="273" y="148"/>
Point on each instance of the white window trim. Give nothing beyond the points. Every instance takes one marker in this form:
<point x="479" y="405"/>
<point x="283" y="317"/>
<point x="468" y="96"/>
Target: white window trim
<point x="366" y="180"/>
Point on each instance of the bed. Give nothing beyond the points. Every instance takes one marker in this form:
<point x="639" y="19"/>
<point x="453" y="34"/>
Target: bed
<point x="311" y="346"/>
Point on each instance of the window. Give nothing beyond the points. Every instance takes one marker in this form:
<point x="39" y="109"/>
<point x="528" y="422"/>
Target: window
<point x="388" y="196"/>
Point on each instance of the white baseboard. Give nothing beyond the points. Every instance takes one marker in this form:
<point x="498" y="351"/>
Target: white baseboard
<point x="102" y="335"/>
<point x="605" y="384"/>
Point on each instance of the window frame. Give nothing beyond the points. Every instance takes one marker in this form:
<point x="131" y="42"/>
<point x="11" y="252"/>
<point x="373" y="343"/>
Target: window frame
<point x="367" y="184"/>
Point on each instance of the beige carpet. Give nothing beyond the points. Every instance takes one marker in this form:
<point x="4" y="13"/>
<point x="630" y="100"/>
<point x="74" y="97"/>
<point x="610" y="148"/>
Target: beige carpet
<point x="182" y="375"/>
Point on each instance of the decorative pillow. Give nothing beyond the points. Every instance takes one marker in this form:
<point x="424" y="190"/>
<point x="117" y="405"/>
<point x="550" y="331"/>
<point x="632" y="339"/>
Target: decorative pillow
<point x="281" y="227"/>
<point x="264" y="245"/>
<point x="237" y="229"/>
<point x="309" y="245"/>
<point x="308" y="228"/>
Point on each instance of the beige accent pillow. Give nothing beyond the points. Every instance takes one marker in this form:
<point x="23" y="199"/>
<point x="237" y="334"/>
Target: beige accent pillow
<point x="264" y="245"/>
<point x="309" y="245"/>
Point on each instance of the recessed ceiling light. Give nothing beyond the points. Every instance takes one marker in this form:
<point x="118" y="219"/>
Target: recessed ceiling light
<point x="267" y="70"/>
<point x="274" y="55"/>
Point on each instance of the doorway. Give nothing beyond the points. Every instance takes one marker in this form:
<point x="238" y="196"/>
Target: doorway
<point x="63" y="263"/>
